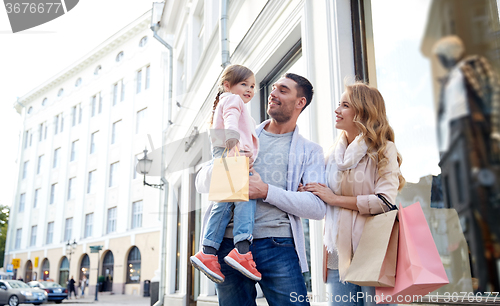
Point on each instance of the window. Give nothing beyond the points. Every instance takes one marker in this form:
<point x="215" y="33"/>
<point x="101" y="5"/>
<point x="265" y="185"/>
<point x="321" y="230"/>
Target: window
<point x="143" y="41"/>
<point x="26" y="138"/>
<point x="31" y="138"/>
<point x="119" y="56"/>
<point x="19" y="233"/>
<point x="60" y="93"/>
<point x="89" y="219"/>
<point x="44" y="102"/>
<point x="56" y="124"/>
<point x="115" y="93"/>
<point x="93" y="106"/>
<point x="148" y="73"/>
<point x="22" y="200"/>
<point x="35" y="199"/>
<point x="55" y="162"/>
<point x="46" y="128"/>
<point x="71" y="188"/>
<point x="137" y="214"/>
<point x="25" y="169"/>
<point x="34" y="228"/>
<point x="78" y="82"/>
<point x="39" y="166"/>
<point x="122" y="95"/>
<point x="134" y="266"/>
<point x="68" y="227"/>
<point x="30" y="110"/>
<point x="93" y="138"/>
<point x="91" y="183"/>
<point x="111" y="220"/>
<point x="141" y="116"/>
<point x="74" y="150"/>
<point x="53" y="189"/>
<point x="62" y="123"/>
<point x="97" y="70"/>
<point x="100" y="103"/>
<point x="115" y="131"/>
<point x="79" y="113"/>
<point x="113" y="174"/>
<point x="139" y="81"/>
<point x="40" y="132"/>
<point x="73" y="115"/>
<point x="50" y="233"/>
<point x="134" y="165"/>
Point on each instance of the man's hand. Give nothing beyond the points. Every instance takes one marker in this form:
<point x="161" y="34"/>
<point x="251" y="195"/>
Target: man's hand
<point x="250" y="158"/>
<point x="257" y="188"/>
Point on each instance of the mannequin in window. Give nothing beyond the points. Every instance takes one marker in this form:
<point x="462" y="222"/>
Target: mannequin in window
<point x="468" y="124"/>
<point x="470" y="98"/>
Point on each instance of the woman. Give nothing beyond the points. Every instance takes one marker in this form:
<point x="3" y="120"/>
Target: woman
<point x="364" y="162"/>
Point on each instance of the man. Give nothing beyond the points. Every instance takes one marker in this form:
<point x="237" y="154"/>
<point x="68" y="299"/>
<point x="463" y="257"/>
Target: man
<point x="285" y="159"/>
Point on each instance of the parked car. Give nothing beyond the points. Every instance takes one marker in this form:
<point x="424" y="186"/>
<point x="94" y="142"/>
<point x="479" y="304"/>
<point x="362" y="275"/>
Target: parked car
<point x="13" y="293"/>
<point x="55" y="292"/>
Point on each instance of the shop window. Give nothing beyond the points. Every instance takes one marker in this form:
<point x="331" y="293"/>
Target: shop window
<point x="134" y="266"/>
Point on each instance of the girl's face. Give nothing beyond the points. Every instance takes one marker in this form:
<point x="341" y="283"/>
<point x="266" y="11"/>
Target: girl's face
<point x="244" y="89"/>
<point x="345" y="115"/>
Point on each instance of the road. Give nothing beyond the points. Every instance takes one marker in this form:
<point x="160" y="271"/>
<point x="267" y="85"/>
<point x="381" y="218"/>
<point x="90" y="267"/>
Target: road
<point x="106" y="300"/>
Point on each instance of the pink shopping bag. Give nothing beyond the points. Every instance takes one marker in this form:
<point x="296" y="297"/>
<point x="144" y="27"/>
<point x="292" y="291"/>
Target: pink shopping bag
<point x="419" y="269"/>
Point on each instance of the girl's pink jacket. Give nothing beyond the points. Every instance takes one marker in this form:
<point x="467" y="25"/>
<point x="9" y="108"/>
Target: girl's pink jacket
<point x="232" y="116"/>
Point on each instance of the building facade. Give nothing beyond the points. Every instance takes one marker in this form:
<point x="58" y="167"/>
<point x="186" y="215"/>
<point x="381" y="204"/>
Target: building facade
<point x="330" y="43"/>
<point x="83" y="131"/>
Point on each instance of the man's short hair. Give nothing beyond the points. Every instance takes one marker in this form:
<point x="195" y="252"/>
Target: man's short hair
<point x="304" y="87"/>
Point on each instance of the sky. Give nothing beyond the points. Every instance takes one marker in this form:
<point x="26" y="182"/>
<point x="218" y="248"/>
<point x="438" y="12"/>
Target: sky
<point x="31" y="57"/>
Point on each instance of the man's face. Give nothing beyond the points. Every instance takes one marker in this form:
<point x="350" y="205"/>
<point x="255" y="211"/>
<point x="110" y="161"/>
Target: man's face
<point x="282" y="100"/>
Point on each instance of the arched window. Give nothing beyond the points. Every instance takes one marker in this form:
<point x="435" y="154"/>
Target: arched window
<point x="143" y="41"/>
<point x="64" y="272"/>
<point x="134" y="266"/>
<point x="97" y="70"/>
<point x="28" y="275"/>
<point x="44" y="102"/>
<point x="30" y="110"/>
<point x="107" y="271"/>
<point x="85" y="267"/>
<point x="78" y="82"/>
<point x="45" y="269"/>
<point x="60" y="93"/>
<point x="119" y="57"/>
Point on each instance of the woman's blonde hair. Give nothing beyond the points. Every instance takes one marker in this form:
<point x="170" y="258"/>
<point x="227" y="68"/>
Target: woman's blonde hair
<point x="371" y="120"/>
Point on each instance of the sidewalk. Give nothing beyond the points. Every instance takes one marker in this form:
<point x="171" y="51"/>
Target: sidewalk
<point x="109" y="300"/>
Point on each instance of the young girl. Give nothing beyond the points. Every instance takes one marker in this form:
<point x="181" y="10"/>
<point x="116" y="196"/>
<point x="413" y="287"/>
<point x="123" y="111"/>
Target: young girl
<point x="363" y="164"/>
<point x="232" y="126"/>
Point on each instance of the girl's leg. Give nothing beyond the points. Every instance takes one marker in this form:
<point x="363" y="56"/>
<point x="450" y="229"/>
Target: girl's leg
<point x="243" y="218"/>
<point x="220" y="215"/>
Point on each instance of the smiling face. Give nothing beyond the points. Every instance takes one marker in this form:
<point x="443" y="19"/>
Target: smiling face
<point x="245" y="89"/>
<point x="345" y="115"/>
<point x="283" y="100"/>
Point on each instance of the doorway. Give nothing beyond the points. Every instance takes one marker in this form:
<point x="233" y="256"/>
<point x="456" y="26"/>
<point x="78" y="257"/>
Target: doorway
<point x="107" y="271"/>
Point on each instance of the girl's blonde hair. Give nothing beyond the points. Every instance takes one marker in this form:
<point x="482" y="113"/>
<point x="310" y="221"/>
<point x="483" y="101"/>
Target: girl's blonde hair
<point x="233" y="74"/>
<point x="371" y="120"/>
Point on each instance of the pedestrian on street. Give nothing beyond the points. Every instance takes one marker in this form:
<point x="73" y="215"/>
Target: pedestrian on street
<point x="83" y="284"/>
<point x="71" y="287"/>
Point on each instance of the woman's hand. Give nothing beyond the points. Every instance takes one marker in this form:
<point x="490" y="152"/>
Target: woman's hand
<point x="301" y="188"/>
<point x="322" y="191"/>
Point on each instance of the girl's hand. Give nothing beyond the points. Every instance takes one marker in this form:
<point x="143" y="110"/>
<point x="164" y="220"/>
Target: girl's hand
<point x="322" y="191"/>
<point x="230" y="143"/>
<point x="301" y="188"/>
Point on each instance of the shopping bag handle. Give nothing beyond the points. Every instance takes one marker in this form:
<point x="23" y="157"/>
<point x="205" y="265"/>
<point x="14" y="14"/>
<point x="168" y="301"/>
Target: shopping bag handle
<point x="237" y="151"/>
<point x="391" y="206"/>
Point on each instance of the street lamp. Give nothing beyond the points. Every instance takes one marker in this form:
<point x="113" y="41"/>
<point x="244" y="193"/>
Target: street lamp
<point x="144" y="165"/>
<point x="70" y="249"/>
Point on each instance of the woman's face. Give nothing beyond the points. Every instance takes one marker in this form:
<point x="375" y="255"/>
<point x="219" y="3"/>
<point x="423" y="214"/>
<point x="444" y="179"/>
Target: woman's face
<point x="345" y="115"/>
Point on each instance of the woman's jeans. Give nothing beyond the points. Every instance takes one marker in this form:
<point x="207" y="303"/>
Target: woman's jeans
<point x="220" y="216"/>
<point x="348" y="294"/>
